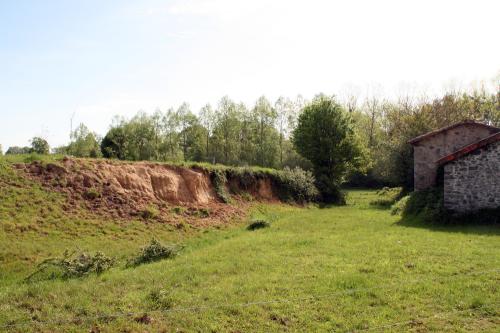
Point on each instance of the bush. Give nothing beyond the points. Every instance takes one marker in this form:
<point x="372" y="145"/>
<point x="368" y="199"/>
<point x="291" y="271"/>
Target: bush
<point x="427" y="204"/>
<point x="296" y="185"/>
<point x="72" y="266"/>
<point x="399" y="206"/>
<point x="258" y="224"/>
<point x="219" y="180"/>
<point x="387" y="197"/>
<point x="291" y="184"/>
<point x="153" y="252"/>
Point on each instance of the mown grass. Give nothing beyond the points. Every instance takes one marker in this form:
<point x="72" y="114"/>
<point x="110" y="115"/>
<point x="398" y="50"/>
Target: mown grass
<point x="349" y="268"/>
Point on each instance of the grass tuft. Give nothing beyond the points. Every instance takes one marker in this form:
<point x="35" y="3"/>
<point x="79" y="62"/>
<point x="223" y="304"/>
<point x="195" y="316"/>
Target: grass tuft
<point x="153" y="252"/>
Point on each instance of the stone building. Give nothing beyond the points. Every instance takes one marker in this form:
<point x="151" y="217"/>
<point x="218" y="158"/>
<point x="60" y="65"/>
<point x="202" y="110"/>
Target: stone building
<point x="472" y="176"/>
<point x="465" y="158"/>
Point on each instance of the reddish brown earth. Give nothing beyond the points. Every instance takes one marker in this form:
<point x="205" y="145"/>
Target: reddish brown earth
<point x="135" y="190"/>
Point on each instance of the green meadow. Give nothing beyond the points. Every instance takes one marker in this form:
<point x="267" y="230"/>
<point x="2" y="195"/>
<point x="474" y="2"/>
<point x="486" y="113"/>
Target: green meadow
<point x="337" y="269"/>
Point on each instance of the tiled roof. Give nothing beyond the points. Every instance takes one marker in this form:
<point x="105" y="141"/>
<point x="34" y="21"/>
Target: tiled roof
<point x="470" y="148"/>
<point x="447" y="128"/>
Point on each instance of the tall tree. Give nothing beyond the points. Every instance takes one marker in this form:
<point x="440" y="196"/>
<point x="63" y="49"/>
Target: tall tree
<point x="207" y="120"/>
<point x="226" y="131"/>
<point x="325" y="136"/>
<point x="265" y="116"/>
<point x="40" y="145"/>
<point x="284" y="118"/>
<point x="170" y="126"/>
<point x="84" y="143"/>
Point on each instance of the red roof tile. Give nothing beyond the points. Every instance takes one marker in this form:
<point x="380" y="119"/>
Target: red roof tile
<point x="469" y="149"/>
<point x="447" y="128"/>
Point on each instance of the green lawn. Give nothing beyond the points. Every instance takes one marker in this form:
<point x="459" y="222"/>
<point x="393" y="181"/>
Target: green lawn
<point x="351" y="268"/>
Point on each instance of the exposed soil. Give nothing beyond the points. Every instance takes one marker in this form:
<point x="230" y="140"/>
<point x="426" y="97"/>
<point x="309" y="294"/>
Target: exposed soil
<point x="148" y="190"/>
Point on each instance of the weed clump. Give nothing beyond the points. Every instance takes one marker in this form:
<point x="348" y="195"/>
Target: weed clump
<point x="258" y="224"/>
<point x="177" y="210"/>
<point x="149" y="212"/>
<point x="154" y="251"/>
<point x="92" y="194"/>
<point x="160" y="299"/>
<point x="72" y="265"/>
<point x="219" y="180"/>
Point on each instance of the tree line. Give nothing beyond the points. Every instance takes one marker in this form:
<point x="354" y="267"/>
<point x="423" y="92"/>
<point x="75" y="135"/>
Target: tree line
<point x="230" y="134"/>
<point x="263" y="135"/>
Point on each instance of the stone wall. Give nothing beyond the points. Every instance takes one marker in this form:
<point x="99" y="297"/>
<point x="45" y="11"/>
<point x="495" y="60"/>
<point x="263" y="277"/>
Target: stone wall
<point x="429" y="150"/>
<point x="472" y="181"/>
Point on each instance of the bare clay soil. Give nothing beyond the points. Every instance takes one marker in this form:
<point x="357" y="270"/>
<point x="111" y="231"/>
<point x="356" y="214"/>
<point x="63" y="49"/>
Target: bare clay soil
<point x="152" y="191"/>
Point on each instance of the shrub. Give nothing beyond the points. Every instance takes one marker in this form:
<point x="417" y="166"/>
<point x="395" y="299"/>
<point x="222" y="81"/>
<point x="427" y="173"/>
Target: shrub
<point x="153" y="252"/>
<point x="426" y="204"/>
<point x="399" y="206"/>
<point x="296" y="185"/>
<point x="219" y="180"/>
<point x="72" y="266"/>
<point x="258" y="224"/>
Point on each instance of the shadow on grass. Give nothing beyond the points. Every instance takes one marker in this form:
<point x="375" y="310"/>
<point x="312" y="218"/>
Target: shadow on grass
<point x="484" y="227"/>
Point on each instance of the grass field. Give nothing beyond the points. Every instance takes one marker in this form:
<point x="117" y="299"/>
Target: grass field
<point x="351" y="268"/>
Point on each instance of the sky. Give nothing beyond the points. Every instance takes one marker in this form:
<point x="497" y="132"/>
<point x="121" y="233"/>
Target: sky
<point x="92" y="59"/>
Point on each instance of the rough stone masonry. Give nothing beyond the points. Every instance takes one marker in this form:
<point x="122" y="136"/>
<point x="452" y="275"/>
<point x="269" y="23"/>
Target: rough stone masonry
<point x="472" y="181"/>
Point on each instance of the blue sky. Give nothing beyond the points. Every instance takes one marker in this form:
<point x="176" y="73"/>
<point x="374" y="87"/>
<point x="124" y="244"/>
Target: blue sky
<point x="97" y="59"/>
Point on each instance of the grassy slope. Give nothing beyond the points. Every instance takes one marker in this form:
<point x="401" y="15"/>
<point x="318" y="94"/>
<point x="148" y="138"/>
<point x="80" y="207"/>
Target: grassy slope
<point x="341" y="268"/>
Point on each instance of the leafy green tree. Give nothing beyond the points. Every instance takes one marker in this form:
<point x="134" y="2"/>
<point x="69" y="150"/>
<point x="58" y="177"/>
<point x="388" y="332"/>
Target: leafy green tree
<point x="114" y="144"/>
<point x="325" y="136"/>
<point x="40" y="145"/>
<point x="226" y="132"/>
<point x="1" y="150"/>
<point x="191" y="134"/>
<point x="267" y="138"/>
<point x="170" y="147"/>
<point x="84" y="143"/>
<point x="207" y="120"/>
<point x="247" y="137"/>
<point x="142" y="135"/>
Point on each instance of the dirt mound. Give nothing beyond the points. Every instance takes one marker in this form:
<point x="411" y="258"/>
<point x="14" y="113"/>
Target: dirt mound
<point x="122" y="189"/>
